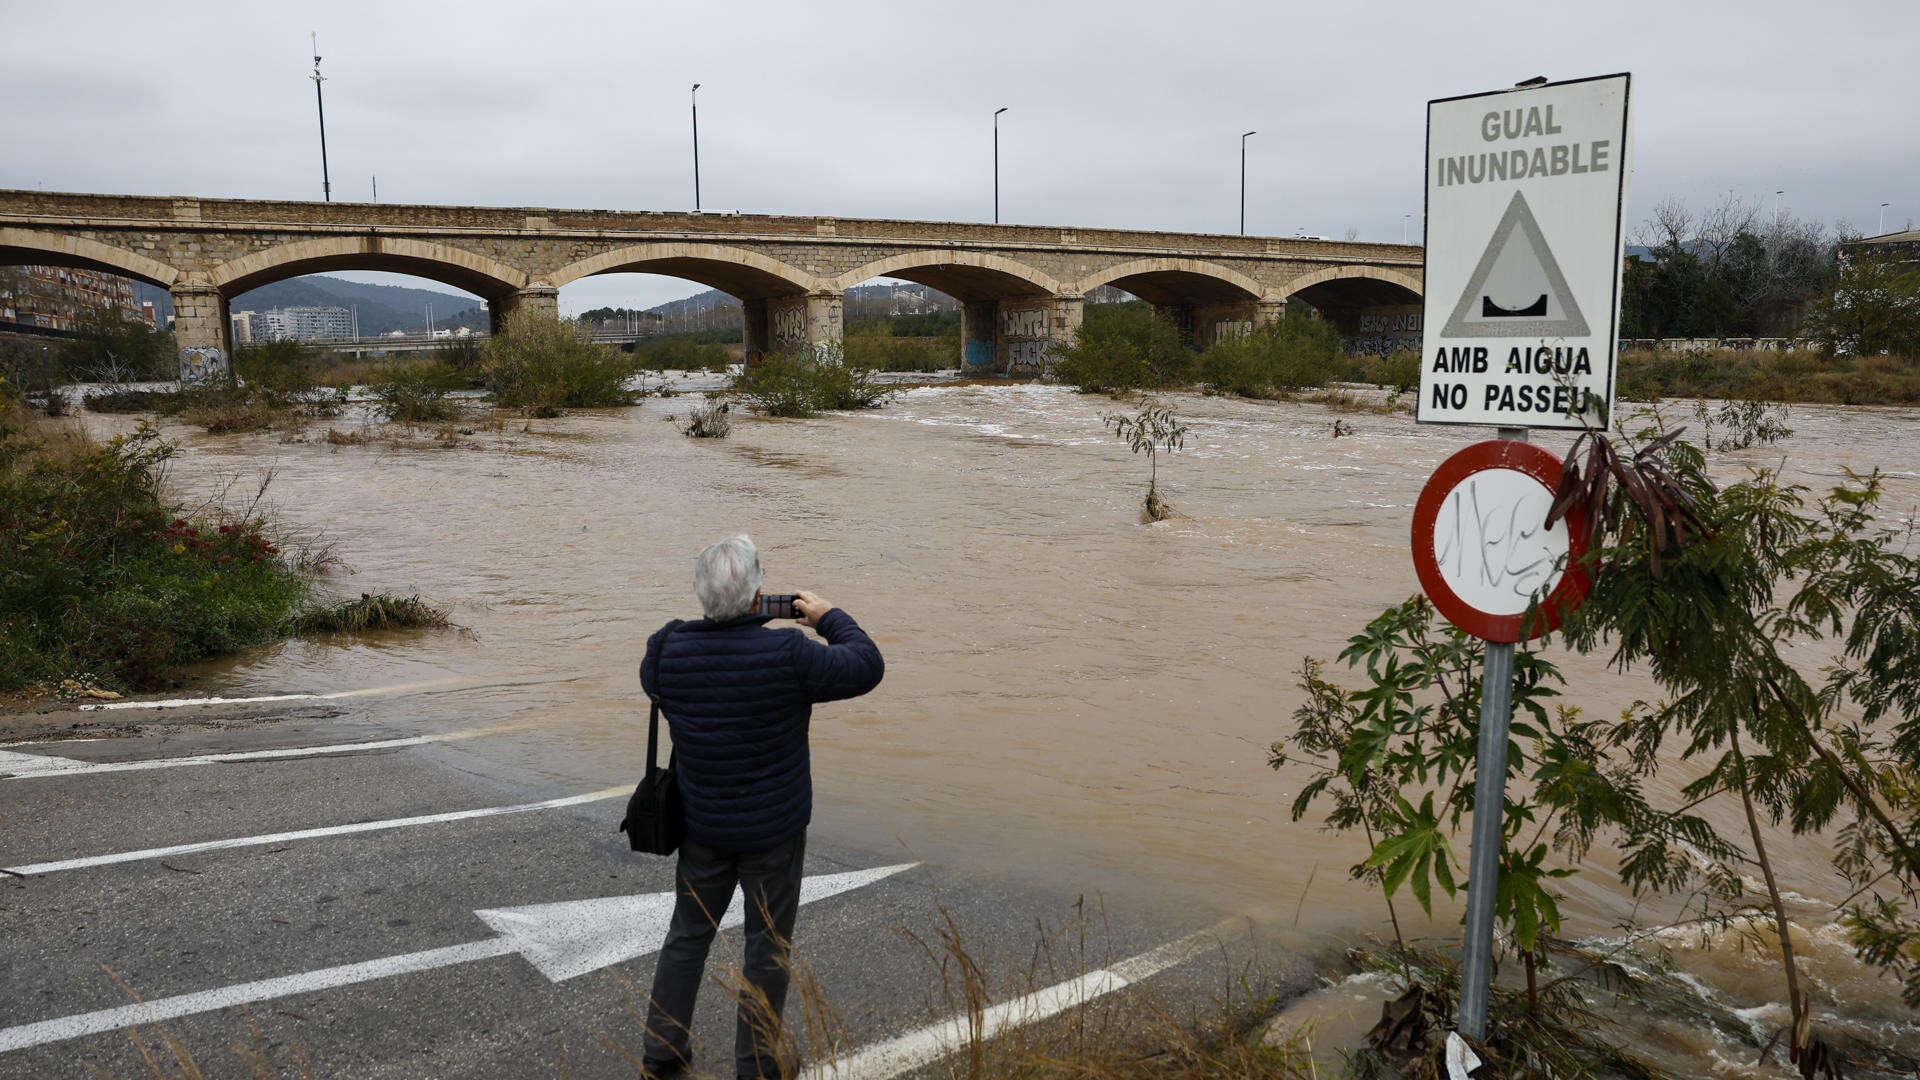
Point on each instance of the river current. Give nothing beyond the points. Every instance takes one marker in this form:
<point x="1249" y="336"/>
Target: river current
<point x="1070" y="695"/>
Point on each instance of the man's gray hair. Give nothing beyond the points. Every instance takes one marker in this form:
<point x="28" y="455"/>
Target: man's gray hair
<point x="726" y="577"/>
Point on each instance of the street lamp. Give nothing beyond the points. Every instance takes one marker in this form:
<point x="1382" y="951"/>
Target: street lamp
<point x="1243" y="182"/>
<point x="1406" y="221"/>
<point x="996" y="163"/>
<point x="1881" y="230"/>
<point x="326" y="185"/>
<point x="1776" y="203"/>
<point x="695" y="96"/>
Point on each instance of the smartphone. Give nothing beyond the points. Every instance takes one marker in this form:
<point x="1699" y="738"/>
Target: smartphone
<point x="778" y="605"/>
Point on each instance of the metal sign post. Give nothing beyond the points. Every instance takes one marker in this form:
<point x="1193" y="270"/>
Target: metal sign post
<point x="1489" y="813"/>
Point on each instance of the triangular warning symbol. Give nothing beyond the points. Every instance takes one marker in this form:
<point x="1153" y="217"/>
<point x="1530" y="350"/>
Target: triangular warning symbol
<point x="1517" y="290"/>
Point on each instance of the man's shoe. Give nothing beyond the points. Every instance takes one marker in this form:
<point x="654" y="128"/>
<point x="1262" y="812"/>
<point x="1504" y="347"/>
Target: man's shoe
<point x="788" y="1067"/>
<point x="662" y="1070"/>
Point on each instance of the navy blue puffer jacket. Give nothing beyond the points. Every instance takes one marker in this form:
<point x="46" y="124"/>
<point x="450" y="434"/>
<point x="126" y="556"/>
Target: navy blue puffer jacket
<point x="738" y="696"/>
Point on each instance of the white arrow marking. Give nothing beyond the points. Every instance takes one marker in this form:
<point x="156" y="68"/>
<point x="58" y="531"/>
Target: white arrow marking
<point x="897" y="1056"/>
<point x="35" y="765"/>
<point x="561" y="940"/>
<point x="305" y="834"/>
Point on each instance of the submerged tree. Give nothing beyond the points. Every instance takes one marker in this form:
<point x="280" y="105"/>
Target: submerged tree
<point x="1152" y="430"/>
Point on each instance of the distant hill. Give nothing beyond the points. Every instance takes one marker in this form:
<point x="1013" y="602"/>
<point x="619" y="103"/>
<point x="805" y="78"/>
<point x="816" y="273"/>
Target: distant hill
<point x="381" y="308"/>
<point x="702" y="302"/>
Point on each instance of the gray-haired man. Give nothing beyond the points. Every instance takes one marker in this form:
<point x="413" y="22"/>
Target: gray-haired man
<point x="738" y="696"/>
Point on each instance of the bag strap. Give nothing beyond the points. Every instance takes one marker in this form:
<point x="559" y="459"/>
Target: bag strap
<point x="653" y="721"/>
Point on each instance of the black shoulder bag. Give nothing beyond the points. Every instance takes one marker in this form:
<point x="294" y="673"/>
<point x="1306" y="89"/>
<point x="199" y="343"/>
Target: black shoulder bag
<point x="656" y="820"/>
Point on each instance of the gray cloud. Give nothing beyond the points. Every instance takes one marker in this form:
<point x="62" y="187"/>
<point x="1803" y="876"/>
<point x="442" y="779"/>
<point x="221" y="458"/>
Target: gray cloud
<point x="1123" y="114"/>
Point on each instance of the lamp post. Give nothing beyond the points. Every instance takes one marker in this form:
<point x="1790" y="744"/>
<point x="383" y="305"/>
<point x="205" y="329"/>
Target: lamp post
<point x="996" y="163"/>
<point x="1881" y="229"/>
<point x="695" y="96"/>
<point x="1776" y="204"/>
<point x="319" y="101"/>
<point x="1406" y="221"/>
<point x="1243" y="182"/>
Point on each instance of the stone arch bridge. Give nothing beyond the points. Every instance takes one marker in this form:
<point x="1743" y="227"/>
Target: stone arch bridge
<point x="1021" y="287"/>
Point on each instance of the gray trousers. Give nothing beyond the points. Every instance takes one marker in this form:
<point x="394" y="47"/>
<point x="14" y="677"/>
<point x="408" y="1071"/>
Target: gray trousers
<point x="770" y="882"/>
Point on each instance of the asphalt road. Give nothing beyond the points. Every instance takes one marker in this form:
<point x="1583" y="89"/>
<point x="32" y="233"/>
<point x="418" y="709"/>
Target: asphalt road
<point x="394" y="905"/>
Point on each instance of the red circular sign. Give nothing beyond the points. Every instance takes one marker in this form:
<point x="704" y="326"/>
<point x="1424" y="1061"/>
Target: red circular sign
<point x="1482" y="548"/>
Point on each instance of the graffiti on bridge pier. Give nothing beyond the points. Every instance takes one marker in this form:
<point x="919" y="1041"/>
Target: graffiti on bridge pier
<point x="202" y="364"/>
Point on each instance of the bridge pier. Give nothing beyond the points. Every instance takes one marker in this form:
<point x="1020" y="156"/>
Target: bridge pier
<point x="203" y="333"/>
<point x="785" y="322"/>
<point x="1017" y="336"/>
<point x="538" y="298"/>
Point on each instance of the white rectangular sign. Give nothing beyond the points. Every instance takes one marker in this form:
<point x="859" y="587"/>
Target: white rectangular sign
<point x="1525" y="190"/>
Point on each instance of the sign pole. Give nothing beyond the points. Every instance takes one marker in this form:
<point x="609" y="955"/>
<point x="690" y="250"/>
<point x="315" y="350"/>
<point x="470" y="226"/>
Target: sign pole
<point x="1489" y="817"/>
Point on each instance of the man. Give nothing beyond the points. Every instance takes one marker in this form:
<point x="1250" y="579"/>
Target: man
<point x="737" y="695"/>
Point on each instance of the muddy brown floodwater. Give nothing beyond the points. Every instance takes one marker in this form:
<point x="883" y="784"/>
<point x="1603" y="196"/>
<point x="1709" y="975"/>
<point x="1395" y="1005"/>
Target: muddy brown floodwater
<point x="1070" y="695"/>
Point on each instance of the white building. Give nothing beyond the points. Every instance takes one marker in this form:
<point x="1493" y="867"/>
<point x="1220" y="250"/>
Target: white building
<point x="298" y="324"/>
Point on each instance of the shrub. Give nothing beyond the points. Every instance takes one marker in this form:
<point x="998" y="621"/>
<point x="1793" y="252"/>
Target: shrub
<point x="373" y="611"/>
<point x="31" y="367"/>
<point x="464" y="358"/>
<point x="111" y="349"/>
<point x="1399" y="370"/>
<point x="133" y="401"/>
<point x="416" y="393"/>
<point x="1125" y="347"/>
<point x="1292" y="353"/>
<point x="278" y="372"/>
<point x="540" y="360"/>
<point x="708" y="422"/>
<point x="875" y="347"/>
<point x="801" y="382"/>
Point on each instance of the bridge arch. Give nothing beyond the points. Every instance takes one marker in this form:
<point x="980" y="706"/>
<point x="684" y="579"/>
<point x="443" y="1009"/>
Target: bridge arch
<point x="1346" y="295"/>
<point x="475" y="273"/>
<point x="1397" y="283"/>
<point x="28" y="247"/>
<point x="746" y="275"/>
<point x="1176" y="281"/>
<point x="968" y="276"/>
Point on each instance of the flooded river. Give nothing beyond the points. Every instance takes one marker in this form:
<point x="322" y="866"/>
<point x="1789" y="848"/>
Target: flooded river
<point x="1071" y="696"/>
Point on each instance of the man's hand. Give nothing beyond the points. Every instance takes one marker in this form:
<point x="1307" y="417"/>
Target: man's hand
<point x="811" y="608"/>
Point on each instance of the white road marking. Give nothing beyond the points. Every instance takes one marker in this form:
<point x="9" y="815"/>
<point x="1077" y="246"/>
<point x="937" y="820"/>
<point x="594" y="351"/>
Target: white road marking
<point x="34" y="765"/>
<point x="905" y="1053"/>
<point x="17" y="764"/>
<point x="561" y="940"/>
<point x="178" y="703"/>
<point x="308" y="834"/>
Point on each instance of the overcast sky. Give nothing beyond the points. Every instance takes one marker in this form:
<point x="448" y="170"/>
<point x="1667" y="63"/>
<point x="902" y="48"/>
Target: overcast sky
<point x="1121" y="114"/>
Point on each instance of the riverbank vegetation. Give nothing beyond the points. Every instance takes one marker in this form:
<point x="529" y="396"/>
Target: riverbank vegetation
<point x="1798" y="377"/>
<point x="1709" y="588"/>
<point x="1126" y="348"/>
<point x="107" y="581"/>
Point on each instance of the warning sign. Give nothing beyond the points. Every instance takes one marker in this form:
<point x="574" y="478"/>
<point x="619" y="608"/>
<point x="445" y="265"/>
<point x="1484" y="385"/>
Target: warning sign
<point x="1525" y="190"/>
